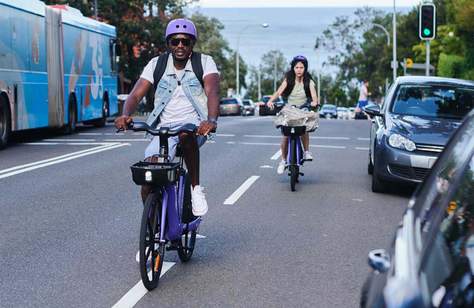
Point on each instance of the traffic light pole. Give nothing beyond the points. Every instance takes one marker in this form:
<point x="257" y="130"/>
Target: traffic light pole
<point x="427" y="58"/>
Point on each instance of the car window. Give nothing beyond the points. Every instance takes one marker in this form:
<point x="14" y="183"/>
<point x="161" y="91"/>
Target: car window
<point x="448" y="266"/>
<point x="433" y="101"/>
<point x="229" y="101"/>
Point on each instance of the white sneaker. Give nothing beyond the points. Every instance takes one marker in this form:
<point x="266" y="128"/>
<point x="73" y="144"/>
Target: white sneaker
<point x="198" y="200"/>
<point x="308" y="156"/>
<point x="281" y="167"/>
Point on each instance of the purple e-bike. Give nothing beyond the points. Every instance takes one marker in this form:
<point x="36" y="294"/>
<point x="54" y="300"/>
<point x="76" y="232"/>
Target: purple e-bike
<point x="167" y="220"/>
<point x="294" y="158"/>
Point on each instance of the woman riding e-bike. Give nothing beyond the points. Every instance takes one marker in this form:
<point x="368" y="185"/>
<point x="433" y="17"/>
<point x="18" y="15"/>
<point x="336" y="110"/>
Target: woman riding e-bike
<point x="298" y="88"/>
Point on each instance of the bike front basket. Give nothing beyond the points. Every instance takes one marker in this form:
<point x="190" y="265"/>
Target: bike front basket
<point x="293" y="130"/>
<point x="147" y="173"/>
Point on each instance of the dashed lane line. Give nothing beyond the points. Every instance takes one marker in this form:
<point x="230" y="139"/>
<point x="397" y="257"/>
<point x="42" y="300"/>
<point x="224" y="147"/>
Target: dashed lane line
<point x="133" y="296"/>
<point x="276" y="155"/>
<point x="241" y="190"/>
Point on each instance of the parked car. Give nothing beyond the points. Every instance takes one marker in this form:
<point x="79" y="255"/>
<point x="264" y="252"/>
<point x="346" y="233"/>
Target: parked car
<point x="342" y="113"/>
<point x="351" y="112"/>
<point x="230" y="106"/>
<point x="412" y="127"/>
<point x="328" y="111"/>
<point x="248" y="107"/>
<point x="263" y="108"/>
<point x="430" y="262"/>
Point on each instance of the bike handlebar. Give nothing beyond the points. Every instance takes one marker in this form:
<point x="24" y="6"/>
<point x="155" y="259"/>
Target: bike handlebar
<point x="161" y="131"/>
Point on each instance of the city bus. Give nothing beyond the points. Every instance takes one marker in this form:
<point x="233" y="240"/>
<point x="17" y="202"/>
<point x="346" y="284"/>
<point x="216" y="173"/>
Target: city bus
<point x="57" y="68"/>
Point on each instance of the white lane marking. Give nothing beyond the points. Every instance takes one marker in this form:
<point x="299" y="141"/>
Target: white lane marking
<point x="127" y="140"/>
<point x="225" y="135"/>
<point x="114" y="134"/>
<point x="68" y="140"/>
<point x="266" y="167"/>
<point x="327" y="146"/>
<point x="51" y="159"/>
<point x="230" y="142"/>
<point x="69" y="143"/>
<point x="314" y="137"/>
<point x="276" y="155"/>
<point x="54" y="161"/>
<point x="362" y="149"/>
<point x="363" y="139"/>
<point x="357" y="200"/>
<point x="241" y="190"/>
<point x="132" y="297"/>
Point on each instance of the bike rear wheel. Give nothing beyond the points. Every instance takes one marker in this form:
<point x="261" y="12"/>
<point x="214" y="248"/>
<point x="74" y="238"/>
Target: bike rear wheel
<point x="186" y="246"/>
<point x="152" y="252"/>
<point x="293" y="167"/>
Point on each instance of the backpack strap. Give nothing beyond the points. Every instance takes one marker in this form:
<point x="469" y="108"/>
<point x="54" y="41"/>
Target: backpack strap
<point x="160" y="69"/>
<point x="162" y="61"/>
<point x="196" y="63"/>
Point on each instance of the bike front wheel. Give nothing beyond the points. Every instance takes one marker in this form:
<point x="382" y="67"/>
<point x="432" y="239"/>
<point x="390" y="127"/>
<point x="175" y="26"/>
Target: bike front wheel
<point x="152" y="252"/>
<point x="186" y="246"/>
<point x="294" y="172"/>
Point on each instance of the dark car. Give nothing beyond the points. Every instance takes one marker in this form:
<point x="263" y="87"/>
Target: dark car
<point x="265" y="110"/>
<point x="248" y="107"/>
<point x="230" y="106"/>
<point x="430" y="262"/>
<point x="328" y="111"/>
<point x="412" y="127"/>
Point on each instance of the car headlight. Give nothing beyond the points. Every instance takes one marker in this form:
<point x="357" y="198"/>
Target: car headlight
<point x="400" y="142"/>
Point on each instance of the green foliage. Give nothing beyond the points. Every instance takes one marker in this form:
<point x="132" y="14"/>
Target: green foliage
<point x="450" y="65"/>
<point x="267" y="73"/>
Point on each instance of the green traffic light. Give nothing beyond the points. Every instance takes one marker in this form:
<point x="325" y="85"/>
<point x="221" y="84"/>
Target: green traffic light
<point x="426" y="32"/>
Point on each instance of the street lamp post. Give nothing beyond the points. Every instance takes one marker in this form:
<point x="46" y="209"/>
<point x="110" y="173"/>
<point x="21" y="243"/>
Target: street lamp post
<point x="394" y="25"/>
<point x="384" y="30"/>
<point x="237" y="80"/>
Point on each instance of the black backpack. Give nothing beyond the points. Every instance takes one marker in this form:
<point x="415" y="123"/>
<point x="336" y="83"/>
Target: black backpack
<point x="163" y="61"/>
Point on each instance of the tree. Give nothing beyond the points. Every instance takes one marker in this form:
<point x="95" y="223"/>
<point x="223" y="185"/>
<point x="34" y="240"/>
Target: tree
<point x="267" y="69"/>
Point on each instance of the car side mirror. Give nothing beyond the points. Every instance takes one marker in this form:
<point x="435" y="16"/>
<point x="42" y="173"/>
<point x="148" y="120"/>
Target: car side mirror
<point x="379" y="260"/>
<point x="373" y="110"/>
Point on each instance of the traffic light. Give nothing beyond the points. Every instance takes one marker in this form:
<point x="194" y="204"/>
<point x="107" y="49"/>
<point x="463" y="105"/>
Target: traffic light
<point x="427" y="21"/>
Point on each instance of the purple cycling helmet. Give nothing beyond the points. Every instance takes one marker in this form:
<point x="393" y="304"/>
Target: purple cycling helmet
<point x="181" y="26"/>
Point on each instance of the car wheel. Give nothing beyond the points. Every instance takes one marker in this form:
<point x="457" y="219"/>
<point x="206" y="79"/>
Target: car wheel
<point x="378" y="185"/>
<point x="370" y="166"/>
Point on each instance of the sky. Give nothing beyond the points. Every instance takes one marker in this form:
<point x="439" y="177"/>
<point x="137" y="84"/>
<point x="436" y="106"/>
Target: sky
<point x="305" y="3"/>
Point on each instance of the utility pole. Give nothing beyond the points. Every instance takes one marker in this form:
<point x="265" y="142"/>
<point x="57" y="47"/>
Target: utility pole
<point x="96" y="9"/>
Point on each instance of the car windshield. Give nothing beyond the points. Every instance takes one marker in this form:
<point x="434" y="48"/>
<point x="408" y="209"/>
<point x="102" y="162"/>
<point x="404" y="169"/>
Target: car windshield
<point x="246" y="103"/>
<point x="433" y="101"/>
<point x="329" y="107"/>
<point x="265" y="99"/>
<point x="229" y="101"/>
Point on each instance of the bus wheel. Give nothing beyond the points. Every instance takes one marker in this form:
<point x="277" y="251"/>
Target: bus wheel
<point x="5" y="122"/>
<point x="72" y="117"/>
<point x="105" y="113"/>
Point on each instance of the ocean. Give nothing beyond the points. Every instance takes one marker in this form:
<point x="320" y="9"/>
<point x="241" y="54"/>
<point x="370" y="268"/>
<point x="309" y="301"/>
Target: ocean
<point x="293" y="31"/>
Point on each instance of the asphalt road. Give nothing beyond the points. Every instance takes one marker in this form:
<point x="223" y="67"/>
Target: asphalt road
<point x="70" y="216"/>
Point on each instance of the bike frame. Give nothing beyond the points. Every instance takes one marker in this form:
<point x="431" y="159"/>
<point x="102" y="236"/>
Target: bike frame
<point x="298" y="150"/>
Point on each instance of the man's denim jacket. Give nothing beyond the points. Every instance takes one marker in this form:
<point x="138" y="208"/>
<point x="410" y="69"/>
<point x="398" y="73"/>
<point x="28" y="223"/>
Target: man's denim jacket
<point x="191" y="87"/>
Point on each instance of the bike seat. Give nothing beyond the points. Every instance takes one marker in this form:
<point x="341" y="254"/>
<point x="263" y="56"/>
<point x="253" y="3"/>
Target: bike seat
<point x="293" y="130"/>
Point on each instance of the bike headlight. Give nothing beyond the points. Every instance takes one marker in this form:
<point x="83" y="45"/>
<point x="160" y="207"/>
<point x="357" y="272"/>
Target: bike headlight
<point x="400" y="142"/>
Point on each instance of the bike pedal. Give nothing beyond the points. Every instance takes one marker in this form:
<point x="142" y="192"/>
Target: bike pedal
<point x="172" y="246"/>
<point x="301" y="173"/>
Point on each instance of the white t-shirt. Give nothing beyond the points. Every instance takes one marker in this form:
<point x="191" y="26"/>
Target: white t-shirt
<point x="179" y="110"/>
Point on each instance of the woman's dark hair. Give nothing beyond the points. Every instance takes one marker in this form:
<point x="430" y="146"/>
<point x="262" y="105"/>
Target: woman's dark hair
<point x="291" y="77"/>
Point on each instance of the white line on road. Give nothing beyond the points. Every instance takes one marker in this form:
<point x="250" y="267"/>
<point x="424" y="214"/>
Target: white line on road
<point x="132" y="297"/>
<point x="327" y="146"/>
<point x="276" y="155"/>
<point x="127" y="140"/>
<point x="56" y="160"/>
<point x="362" y="149"/>
<point x="363" y="139"/>
<point x="225" y="135"/>
<point x="315" y="137"/>
<point x="241" y="190"/>
<point x="69" y="143"/>
<point x="68" y="140"/>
